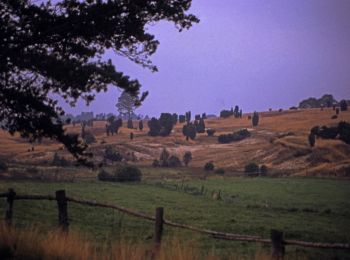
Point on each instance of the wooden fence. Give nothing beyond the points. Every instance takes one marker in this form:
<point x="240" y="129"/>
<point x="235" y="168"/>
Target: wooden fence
<point x="276" y="240"/>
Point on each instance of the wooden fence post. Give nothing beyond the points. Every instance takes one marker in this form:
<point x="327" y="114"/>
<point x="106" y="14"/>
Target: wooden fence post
<point x="9" y="211"/>
<point x="62" y="210"/>
<point x="158" y="226"/>
<point x="277" y="243"/>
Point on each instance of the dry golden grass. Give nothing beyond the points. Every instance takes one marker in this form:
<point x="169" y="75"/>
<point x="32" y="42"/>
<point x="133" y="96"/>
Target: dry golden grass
<point x="280" y="142"/>
<point x="31" y="243"/>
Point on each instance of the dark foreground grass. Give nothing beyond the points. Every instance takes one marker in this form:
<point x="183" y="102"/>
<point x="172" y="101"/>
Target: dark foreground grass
<point x="305" y="209"/>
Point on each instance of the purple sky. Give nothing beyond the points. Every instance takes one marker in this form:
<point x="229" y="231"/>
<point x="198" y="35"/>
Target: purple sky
<point x="257" y="54"/>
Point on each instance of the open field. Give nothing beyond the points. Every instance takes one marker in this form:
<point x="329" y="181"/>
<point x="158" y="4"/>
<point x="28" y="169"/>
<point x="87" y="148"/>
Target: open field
<point x="305" y="209"/>
<point x="280" y="142"/>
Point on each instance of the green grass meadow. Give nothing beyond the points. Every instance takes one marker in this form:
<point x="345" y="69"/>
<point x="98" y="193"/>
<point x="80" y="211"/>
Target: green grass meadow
<point x="305" y="209"/>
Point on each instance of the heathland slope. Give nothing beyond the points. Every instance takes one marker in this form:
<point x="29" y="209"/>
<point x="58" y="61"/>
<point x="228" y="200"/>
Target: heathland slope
<point x="279" y="141"/>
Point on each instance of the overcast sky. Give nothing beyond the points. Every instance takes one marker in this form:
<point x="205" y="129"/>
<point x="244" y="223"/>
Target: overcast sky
<point x="257" y="54"/>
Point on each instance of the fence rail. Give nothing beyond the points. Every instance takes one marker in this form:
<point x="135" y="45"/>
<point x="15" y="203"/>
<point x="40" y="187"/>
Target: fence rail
<point x="276" y="240"/>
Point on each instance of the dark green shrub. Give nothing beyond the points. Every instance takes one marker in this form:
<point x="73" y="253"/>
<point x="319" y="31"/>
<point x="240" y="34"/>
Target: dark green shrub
<point x="236" y="136"/>
<point x="251" y="168"/>
<point x="166" y="124"/>
<point x="226" y="113"/>
<point x="255" y="119"/>
<point x="128" y="174"/>
<point x="174" y="161"/>
<point x="113" y="125"/>
<point x="263" y="170"/>
<point x="201" y="126"/>
<point x="197" y="117"/>
<point x="182" y="118"/>
<point x="312" y="139"/>
<point x="334" y="117"/>
<point x="343" y="105"/>
<point x="328" y="132"/>
<point x="188" y="117"/>
<point x="105" y="176"/>
<point x="175" y="118"/>
<point x="220" y="171"/>
<point x="112" y="155"/>
<point x="204" y="116"/>
<point x="344" y="131"/>
<point x="210" y="132"/>
<point x="187" y="158"/>
<point x="209" y="166"/>
<point x="189" y="131"/>
<point x="3" y="166"/>
<point x="154" y="127"/>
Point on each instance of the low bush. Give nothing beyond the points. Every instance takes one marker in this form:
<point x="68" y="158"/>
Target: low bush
<point x="105" y="176"/>
<point x="236" y="136"/>
<point x="251" y="168"/>
<point x="211" y="131"/>
<point x="128" y="174"/>
<point x="155" y="163"/>
<point x="174" y="161"/>
<point x="209" y="166"/>
<point x="32" y="170"/>
<point x="187" y="158"/>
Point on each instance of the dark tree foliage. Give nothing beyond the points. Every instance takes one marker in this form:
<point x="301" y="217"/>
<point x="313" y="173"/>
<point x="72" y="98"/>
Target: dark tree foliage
<point x="57" y="48"/>
<point x="200" y="126"/>
<point x="337" y="111"/>
<point x="197" y="117"/>
<point x="255" y="119"/>
<point x="166" y="123"/>
<point x="154" y="127"/>
<point x="182" y="118"/>
<point x="312" y="139"/>
<point x="204" y="116"/>
<point x="251" y="168"/>
<point x="112" y="127"/>
<point x="188" y="117"/>
<point x="236" y="136"/>
<point x="111" y="154"/>
<point x="190" y="131"/>
<point x="236" y="112"/>
<point x="211" y="131"/>
<point x="175" y="118"/>
<point x="226" y="113"/>
<point x="344" y="132"/>
<point x="343" y="105"/>
<point x="174" y="161"/>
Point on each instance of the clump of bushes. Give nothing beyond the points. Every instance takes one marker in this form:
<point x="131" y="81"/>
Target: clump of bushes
<point x="174" y="161"/>
<point x="209" y="166"/>
<point x="155" y="163"/>
<point x="253" y="169"/>
<point x="343" y="105"/>
<point x="125" y="173"/>
<point x="236" y="136"/>
<point x="342" y="131"/>
<point x="162" y="126"/>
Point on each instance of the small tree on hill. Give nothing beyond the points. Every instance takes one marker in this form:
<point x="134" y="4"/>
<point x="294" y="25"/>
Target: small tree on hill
<point x="182" y="118"/>
<point x="189" y="131"/>
<point x="130" y="125"/>
<point x="166" y="123"/>
<point x="126" y="105"/>
<point x="201" y="126"/>
<point x="154" y="127"/>
<point x="255" y="119"/>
